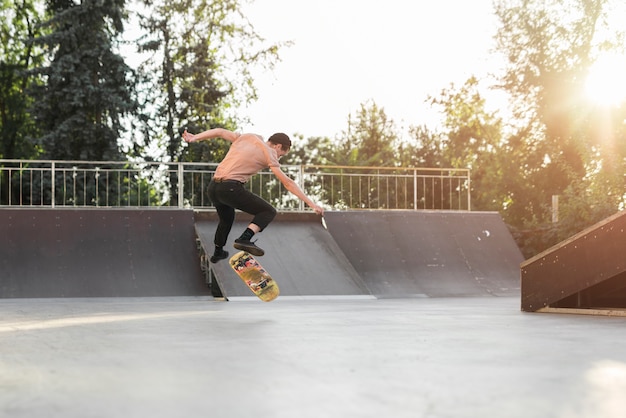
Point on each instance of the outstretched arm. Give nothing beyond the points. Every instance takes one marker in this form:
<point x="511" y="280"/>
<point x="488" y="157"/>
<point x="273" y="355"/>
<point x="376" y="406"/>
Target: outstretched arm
<point x="211" y="134"/>
<point x="293" y="187"/>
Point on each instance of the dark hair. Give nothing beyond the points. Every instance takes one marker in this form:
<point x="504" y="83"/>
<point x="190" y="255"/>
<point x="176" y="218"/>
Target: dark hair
<point x="282" y="139"/>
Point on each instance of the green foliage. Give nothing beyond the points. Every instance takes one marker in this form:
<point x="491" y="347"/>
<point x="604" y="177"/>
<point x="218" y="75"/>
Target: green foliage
<point x="424" y="149"/>
<point x="200" y="57"/>
<point x="309" y="151"/>
<point x="18" y="21"/>
<point x="86" y="91"/>
<point x="562" y="144"/>
<point x="369" y="141"/>
<point x="470" y="131"/>
<point x="472" y="138"/>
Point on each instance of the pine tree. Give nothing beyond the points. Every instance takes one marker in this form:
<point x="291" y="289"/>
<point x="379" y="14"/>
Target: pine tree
<point x="87" y="87"/>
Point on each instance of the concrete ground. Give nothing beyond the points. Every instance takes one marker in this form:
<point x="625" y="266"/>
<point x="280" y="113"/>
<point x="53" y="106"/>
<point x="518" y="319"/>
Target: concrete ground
<point x="315" y="357"/>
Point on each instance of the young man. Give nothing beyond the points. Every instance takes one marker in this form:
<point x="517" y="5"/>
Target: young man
<point x="248" y="154"/>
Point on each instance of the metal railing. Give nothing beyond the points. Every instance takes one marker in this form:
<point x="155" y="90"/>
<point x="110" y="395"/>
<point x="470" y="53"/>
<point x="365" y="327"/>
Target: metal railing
<point x="40" y="183"/>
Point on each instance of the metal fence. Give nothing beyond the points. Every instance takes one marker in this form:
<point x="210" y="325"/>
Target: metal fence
<point x="160" y="184"/>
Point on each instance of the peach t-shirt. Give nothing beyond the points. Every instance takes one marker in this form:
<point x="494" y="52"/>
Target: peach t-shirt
<point x="247" y="155"/>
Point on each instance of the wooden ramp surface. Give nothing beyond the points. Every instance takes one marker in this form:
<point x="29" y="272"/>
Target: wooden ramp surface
<point x="300" y="255"/>
<point x="586" y="271"/>
<point x="430" y="253"/>
<point x="379" y="253"/>
<point x="98" y="253"/>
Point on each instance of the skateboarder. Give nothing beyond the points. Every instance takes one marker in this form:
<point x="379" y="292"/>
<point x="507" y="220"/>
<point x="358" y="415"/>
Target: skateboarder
<point x="248" y="154"/>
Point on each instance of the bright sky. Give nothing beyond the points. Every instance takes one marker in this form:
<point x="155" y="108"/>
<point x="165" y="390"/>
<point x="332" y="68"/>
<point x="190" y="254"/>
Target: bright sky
<point x="347" y="52"/>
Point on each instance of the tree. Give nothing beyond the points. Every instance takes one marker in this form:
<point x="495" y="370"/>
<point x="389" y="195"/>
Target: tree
<point x="558" y="147"/>
<point x="425" y="149"/>
<point x="200" y="55"/>
<point x="370" y="140"/>
<point x="472" y="138"/>
<point x="87" y="89"/>
<point x="309" y="151"/>
<point x="18" y="22"/>
<point x="470" y="131"/>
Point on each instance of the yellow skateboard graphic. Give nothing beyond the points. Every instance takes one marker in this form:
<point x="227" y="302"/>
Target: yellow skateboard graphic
<point x="254" y="276"/>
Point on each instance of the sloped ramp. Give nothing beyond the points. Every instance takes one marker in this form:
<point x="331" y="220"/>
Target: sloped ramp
<point x="432" y="254"/>
<point x="300" y="254"/>
<point x="130" y="252"/>
<point x="379" y="253"/>
<point x="48" y="253"/>
<point x="586" y="271"/>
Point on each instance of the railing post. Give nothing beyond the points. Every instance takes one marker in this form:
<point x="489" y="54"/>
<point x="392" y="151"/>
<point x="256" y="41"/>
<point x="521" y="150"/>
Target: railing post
<point x="415" y="189"/>
<point x="53" y="188"/>
<point x="97" y="177"/>
<point x="469" y="191"/>
<point x="181" y="187"/>
<point x="300" y="202"/>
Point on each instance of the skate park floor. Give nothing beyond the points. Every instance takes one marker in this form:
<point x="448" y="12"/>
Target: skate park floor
<point x="193" y="356"/>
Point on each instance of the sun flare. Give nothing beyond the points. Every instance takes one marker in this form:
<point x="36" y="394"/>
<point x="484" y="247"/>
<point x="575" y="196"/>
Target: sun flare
<point x="606" y="82"/>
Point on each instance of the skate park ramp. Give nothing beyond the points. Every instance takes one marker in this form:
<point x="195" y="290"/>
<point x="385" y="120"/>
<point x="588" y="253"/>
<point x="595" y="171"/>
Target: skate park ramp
<point x="301" y="256"/>
<point x="363" y="254"/>
<point x="583" y="274"/>
<point x="48" y="253"/>
<point x="380" y="253"/>
<point x="431" y="254"/>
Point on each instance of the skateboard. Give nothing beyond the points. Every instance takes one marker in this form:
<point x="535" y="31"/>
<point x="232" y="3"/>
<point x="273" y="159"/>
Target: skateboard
<point x="254" y="276"/>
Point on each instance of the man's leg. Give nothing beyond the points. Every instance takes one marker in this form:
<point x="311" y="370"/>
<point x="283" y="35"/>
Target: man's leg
<point x="226" y="216"/>
<point x="263" y="213"/>
<point x="237" y="196"/>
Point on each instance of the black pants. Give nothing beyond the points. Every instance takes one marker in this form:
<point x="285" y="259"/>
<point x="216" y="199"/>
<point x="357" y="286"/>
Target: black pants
<point x="230" y="195"/>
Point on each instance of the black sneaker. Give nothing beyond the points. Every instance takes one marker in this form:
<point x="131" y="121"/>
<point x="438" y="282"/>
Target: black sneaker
<point x="217" y="257"/>
<point x="248" y="246"/>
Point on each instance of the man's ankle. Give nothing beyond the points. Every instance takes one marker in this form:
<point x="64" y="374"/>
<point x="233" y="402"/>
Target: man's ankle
<point x="247" y="235"/>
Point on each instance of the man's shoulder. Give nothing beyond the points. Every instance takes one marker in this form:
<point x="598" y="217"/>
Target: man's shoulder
<point x="250" y="137"/>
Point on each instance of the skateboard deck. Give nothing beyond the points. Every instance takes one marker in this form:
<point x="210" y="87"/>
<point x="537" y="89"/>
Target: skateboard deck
<point x="254" y="276"/>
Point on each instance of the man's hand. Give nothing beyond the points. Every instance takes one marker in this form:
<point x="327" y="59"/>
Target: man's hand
<point x="187" y="137"/>
<point x="318" y="209"/>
